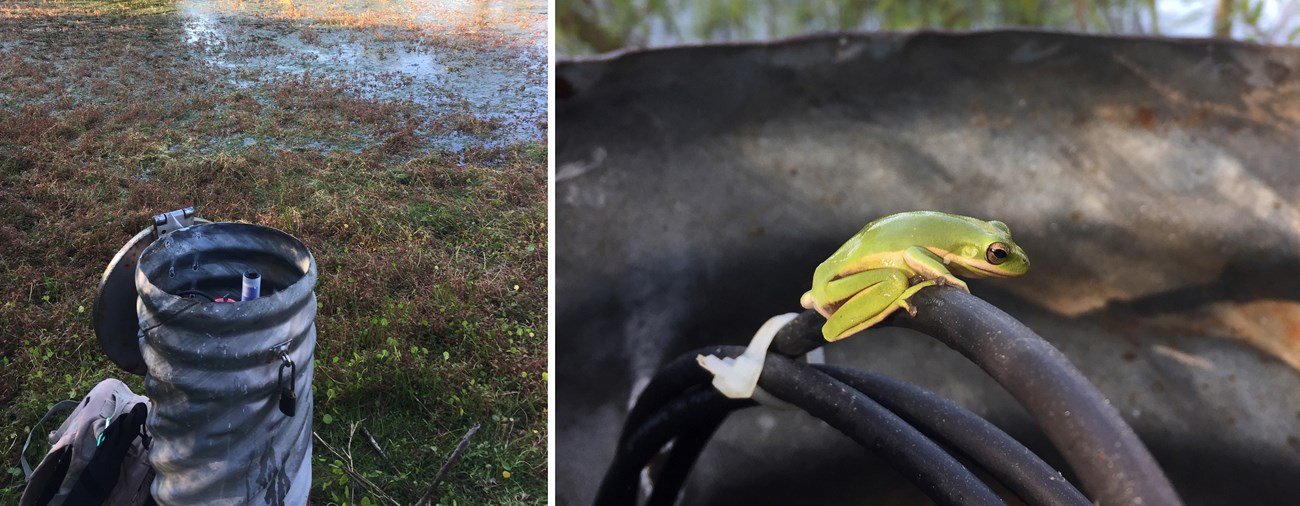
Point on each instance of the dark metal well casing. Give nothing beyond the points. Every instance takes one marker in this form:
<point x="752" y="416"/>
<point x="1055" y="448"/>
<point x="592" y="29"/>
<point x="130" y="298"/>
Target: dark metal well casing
<point x="219" y="434"/>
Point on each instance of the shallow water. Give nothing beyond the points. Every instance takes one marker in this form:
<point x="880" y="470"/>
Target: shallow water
<point x="485" y="58"/>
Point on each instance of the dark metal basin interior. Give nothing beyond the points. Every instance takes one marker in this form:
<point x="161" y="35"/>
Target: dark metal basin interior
<point x="210" y="260"/>
<point x="1154" y="184"/>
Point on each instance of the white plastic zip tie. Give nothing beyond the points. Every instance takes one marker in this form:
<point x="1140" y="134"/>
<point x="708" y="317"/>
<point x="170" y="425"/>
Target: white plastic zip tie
<point x="738" y="377"/>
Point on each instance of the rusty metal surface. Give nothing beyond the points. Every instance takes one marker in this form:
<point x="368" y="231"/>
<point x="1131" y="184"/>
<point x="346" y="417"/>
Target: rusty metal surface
<point x="1154" y="183"/>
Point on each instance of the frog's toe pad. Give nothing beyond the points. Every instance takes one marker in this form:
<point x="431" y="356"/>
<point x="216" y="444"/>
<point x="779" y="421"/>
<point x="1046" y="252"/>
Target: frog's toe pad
<point x="736" y="377"/>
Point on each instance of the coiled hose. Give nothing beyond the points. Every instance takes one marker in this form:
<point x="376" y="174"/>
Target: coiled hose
<point x="906" y="424"/>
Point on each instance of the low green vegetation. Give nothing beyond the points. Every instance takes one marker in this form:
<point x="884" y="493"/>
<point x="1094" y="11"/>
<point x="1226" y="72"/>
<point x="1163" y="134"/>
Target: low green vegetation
<point x="427" y="224"/>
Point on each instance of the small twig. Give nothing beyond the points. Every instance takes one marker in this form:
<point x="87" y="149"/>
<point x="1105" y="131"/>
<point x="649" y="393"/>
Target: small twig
<point x="347" y="469"/>
<point x="431" y="496"/>
<point x="352" y="431"/>
<point x="374" y="444"/>
<point x="426" y="409"/>
<point x="12" y="442"/>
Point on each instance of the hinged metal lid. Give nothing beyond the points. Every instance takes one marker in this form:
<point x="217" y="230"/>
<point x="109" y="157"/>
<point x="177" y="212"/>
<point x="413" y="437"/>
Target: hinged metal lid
<point x="114" y="315"/>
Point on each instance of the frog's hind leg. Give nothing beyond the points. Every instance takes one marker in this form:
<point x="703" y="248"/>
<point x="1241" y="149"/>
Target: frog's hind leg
<point x="844" y="288"/>
<point x="872" y="296"/>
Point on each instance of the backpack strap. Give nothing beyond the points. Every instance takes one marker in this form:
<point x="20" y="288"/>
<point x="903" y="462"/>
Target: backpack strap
<point x="41" y="491"/>
<point x="22" y="459"/>
<point x="102" y="472"/>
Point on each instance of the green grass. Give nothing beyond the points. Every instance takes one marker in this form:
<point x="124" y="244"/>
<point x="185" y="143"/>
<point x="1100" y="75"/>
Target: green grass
<point x="432" y="262"/>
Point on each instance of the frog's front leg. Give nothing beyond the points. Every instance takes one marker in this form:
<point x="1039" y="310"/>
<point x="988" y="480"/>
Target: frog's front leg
<point x="929" y="266"/>
<point x="869" y="296"/>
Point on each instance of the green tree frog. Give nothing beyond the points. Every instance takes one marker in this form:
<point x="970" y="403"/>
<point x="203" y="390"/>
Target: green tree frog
<point x="876" y="271"/>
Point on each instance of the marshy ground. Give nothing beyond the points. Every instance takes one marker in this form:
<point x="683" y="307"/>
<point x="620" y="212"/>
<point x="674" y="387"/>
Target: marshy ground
<point x="404" y="143"/>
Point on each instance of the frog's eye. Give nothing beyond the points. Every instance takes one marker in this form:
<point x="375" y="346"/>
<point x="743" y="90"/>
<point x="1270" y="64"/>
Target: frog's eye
<point x="997" y="253"/>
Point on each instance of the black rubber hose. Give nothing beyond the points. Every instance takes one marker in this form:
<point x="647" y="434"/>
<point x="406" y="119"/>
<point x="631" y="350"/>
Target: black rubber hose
<point x="800" y="335"/>
<point x="915" y="456"/>
<point x="1020" y="470"/>
<point x="1023" y="472"/>
<point x="1104" y="452"/>
<point x="640" y="443"/>
<point x="1111" y="462"/>
<point x="912" y="454"/>
<point x="686" y="450"/>
<point x="192" y="293"/>
<point x="673" y="379"/>
<point x="669" y="382"/>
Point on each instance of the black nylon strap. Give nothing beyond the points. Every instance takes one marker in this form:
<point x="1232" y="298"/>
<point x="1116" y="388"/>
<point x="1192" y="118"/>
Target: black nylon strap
<point x="101" y="474"/>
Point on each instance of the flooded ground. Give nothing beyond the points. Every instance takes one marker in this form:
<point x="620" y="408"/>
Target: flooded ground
<point x="474" y="63"/>
<point x="464" y="62"/>
<point x="467" y="74"/>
